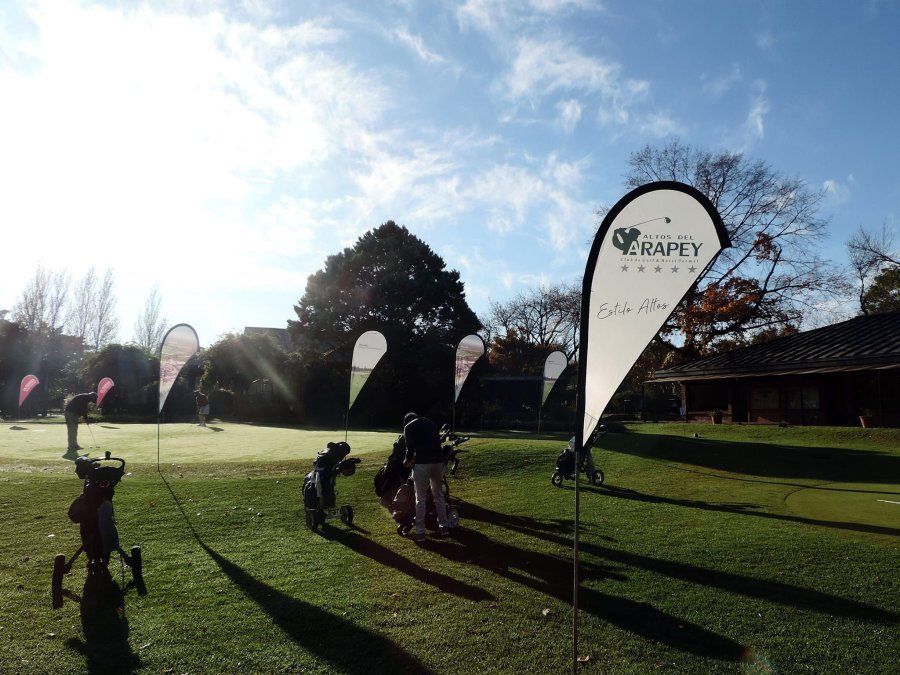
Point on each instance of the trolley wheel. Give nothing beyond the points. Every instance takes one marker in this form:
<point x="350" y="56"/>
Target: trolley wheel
<point x="597" y="477"/>
<point x="454" y="465"/>
<point x="452" y="517"/>
<point x="403" y="530"/>
<point x="347" y="514"/>
<point x="56" y="590"/>
<point x="556" y="479"/>
<point x="137" y="561"/>
<point x="311" y="520"/>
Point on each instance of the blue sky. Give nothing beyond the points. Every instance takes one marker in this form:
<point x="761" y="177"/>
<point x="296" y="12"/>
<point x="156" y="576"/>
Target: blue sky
<point x="224" y="149"/>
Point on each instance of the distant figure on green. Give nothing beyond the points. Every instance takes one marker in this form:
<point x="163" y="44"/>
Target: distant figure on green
<point x="76" y="409"/>
<point x="202" y="401"/>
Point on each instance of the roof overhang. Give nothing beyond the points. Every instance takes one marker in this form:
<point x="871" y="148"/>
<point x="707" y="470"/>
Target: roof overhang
<point x="804" y="370"/>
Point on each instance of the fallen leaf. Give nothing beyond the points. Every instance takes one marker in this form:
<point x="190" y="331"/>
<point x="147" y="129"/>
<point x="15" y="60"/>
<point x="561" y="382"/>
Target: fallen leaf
<point x="50" y="535"/>
<point x="145" y="645"/>
<point x="51" y="634"/>
<point x="584" y="659"/>
<point x="546" y="612"/>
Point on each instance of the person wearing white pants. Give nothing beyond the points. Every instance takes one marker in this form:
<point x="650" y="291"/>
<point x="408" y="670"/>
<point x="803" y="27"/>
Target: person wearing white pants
<point x="425" y="475"/>
<point x="424" y="454"/>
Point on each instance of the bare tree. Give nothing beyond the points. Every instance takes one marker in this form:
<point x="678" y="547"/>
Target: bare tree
<point x="104" y="323"/>
<point x="874" y="246"/>
<point x="150" y="325"/>
<point x="771" y="275"/>
<point x="544" y="316"/>
<point x="870" y="252"/>
<point x="81" y="306"/>
<point x="42" y="304"/>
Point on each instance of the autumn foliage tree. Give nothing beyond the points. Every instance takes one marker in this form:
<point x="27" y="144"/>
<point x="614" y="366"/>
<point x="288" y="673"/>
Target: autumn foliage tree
<point x="771" y="275"/>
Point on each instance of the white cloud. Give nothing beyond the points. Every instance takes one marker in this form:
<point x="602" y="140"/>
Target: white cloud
<point x="569" y="114"/>
<point x="754" y="127"/>
<point x="765" y="40"/>
<point x="491" y="15"/>
<point x="417" y="45"/>
<point x="837" y="192"/>
<point x="138" y="130"/>
<point x="543" y="67"/>
<point x="660" y="124"/>
<point x="720" y="84"/>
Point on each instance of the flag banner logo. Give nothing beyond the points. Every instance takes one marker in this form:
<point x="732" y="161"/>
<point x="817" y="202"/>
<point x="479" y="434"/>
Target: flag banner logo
<point x="367" y="352"/>
<point x="651" y="248"/>
<point x="470" y="349"/>
<point x="29" y="382"/>
<point x="103" y="389"/>
<point x="178" y="346"/>
<point x="553" y="367"/>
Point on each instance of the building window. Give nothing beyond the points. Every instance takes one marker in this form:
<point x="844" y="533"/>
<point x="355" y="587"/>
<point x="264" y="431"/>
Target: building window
<point x="764" y="398"/>
<point x="806" y="398"/>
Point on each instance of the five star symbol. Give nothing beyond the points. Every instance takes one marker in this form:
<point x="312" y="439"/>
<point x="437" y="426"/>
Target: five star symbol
<point x="658" y="268"/>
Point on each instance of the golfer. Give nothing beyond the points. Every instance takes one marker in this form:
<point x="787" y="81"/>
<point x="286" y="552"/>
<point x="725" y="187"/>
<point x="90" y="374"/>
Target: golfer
<point x="202" y="401"/>
<point x="76" y="409"/>
<point x="423" y="453"/>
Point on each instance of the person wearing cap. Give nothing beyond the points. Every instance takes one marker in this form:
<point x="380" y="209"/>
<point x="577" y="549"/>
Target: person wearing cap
<point x="424" y="454"/>
<point x="75" y="410"/>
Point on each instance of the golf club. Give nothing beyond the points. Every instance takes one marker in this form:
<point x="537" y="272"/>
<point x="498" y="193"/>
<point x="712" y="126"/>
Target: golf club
<point x="94" y="446"/>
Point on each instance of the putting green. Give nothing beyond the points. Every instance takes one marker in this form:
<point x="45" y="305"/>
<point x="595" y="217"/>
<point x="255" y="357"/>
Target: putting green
<point x="867" y="504"/>
<point x="219" y="442"/>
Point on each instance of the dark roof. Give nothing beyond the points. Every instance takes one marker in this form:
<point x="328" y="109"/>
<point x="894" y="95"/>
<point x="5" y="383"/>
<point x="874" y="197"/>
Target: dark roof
<point x="863" y="343"/>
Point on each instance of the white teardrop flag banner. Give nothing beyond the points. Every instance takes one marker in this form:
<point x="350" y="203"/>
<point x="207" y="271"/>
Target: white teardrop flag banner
<point x="652" y="246"/>
<point x="178" y="346"/>
<point x="367" y="352"/>
<point x="553" y="367"/>
<point x="470" y="349"/>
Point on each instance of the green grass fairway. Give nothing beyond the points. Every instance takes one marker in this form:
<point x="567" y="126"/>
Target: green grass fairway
<point x="180" y="442"/>
<point x="746" y="549"/>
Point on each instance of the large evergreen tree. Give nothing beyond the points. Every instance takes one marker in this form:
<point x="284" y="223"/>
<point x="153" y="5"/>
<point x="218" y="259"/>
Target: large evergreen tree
<point x="393" y="282"/>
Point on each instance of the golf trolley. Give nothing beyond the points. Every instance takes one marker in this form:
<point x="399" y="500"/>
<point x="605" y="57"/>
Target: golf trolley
<point x="450" y="443"/>
<point x="565" y="462"/>
<point x="319" y="497"/>
<point x="93" y="511"/>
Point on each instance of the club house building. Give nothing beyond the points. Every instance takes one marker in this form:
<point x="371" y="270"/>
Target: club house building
<point x="844" y="374"/>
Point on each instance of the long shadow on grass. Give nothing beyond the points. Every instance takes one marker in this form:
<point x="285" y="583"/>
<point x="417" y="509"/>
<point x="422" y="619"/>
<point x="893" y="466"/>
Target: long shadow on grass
<point x="760" y="459"/>
<point x="552" y="576"/>
<point x="105" y="626"/>
<point x="771" y="591"/>
<point x="343" y="644"/>
<point x="389" y="558"/>
<point x="741" y="509"/>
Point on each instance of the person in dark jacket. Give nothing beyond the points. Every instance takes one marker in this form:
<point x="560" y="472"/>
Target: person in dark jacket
<point x="75" y="410"/>
<point x="424" y="454"/>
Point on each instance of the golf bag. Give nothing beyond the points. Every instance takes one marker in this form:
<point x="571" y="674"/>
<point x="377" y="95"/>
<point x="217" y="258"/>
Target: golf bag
<point x="93" y="511"/>
<point x="565" y="463"/>
<point x="319" y="496"/>
<point x="393" y="474"/>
